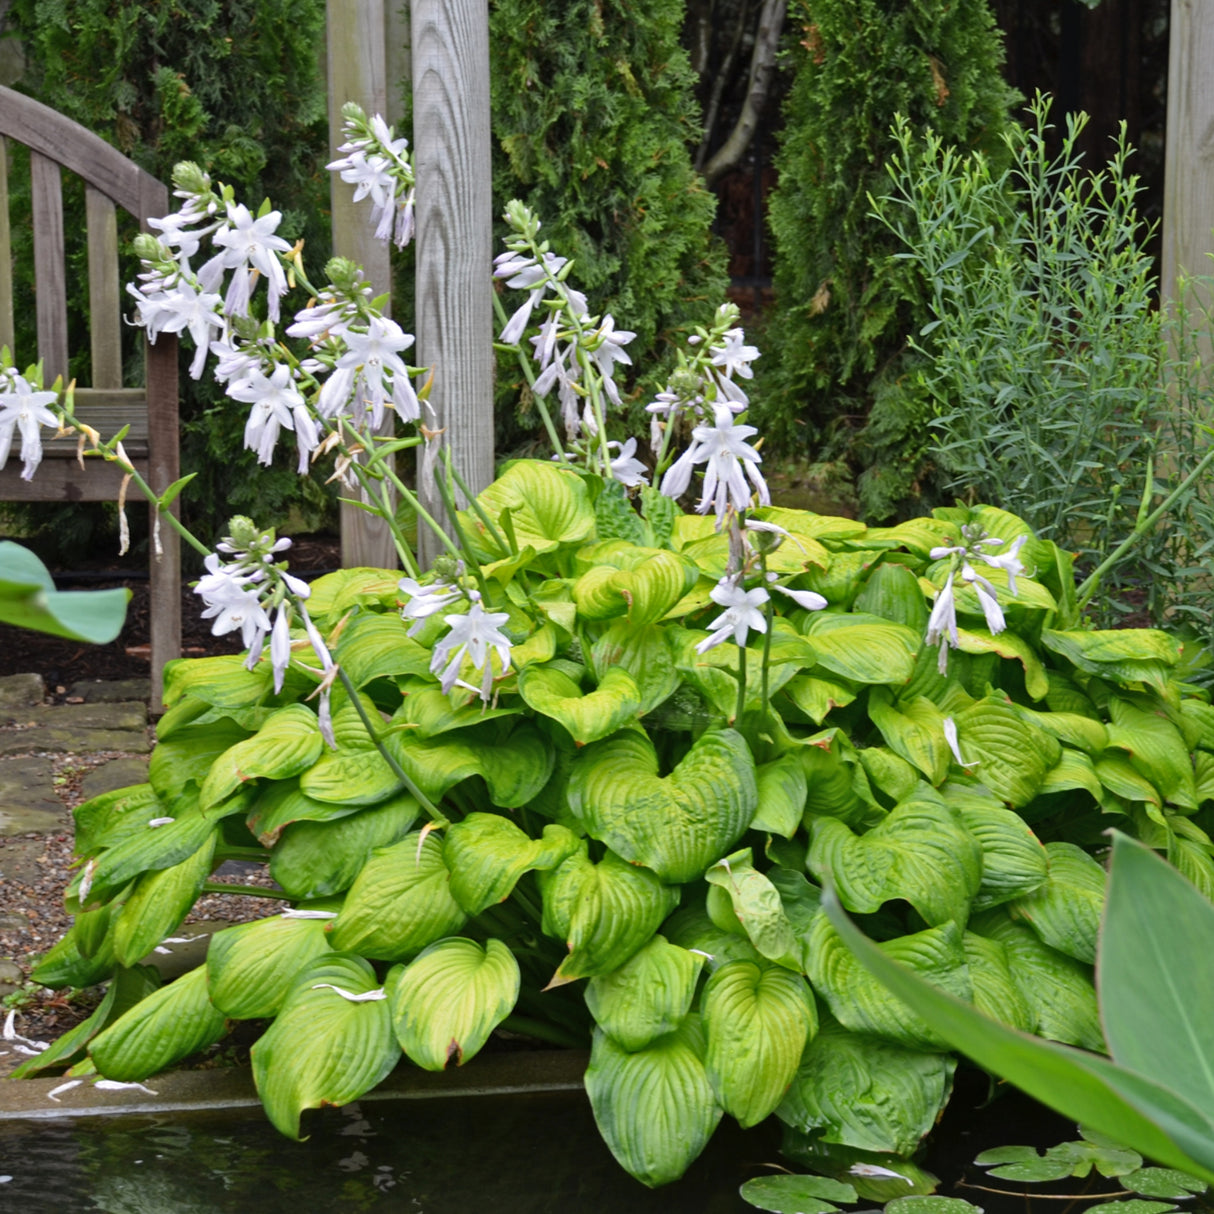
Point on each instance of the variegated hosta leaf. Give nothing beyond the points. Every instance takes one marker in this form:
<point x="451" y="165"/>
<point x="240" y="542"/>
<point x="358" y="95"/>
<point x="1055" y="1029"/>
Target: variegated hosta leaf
<point x="604" y="912"/>
<point x="179" y="765"/>
<point x="612" y="704"/>
<point x="399" y="903"/>
<point x="646" y="652"/>
<point x="1156" y="748"/>
<point x="1013" y="860"/>
<point x="377" y="646"/>
<point x="914" y="729"/>
<point x="757" y="907"/>
<point x="447" y="1001"/>
<point x="170" y="1024"/>
<point x="866" y="649"/>
<point x="286" y="745"/>
<point x="655" y="1107"/>
<point x="223" y="681"/>
<point x="1009" y="645"/>
<point x="324" y="1048"/>
<point x="643" y="589"/>
<point x="112" y="817"/>
<point x="648" y="996"/>
<point x="695" y="931"/>
<point x="920" y="853"/>
<point x="867" y="1093"/>
<point x="353" y="774"/>
<point x="161" y="900"/>
<point x="859" y="1002"/>
<point x="428" y="712"/>
<point x="834" y="786"/>
<point x="314" y="859"/>
<point x="1065" y="910"/>
<point x="251" y="967"/>
<point x="549" y="507"/>
<point x="995" y="990"/>
<point x="1006" y="752"/>
<point x="758" y="1019"/>
<point x="486" y="854"/>
<point x="280" y="803"/>
<point x="1057" y="988"/>
<point x="782" y="788"/>
<point x="676" y="825"/>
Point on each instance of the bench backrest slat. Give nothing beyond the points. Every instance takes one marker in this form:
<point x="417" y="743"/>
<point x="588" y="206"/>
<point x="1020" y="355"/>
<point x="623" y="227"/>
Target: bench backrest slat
<point x="50" y="278"/>
<point x="7" y="334"/>
<point x="105" y="299"/>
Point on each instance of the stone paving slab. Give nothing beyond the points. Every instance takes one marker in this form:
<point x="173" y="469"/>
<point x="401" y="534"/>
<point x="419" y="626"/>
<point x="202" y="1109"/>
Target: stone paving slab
<point x="117" y="773"/>
<point x="19" y="858"/>
<point x="116" y="690"/>
<point x="56" y="740"/>
<point x="133" y="716"/>
<point x="28" y="800"/>
<point x="20" y="691"/>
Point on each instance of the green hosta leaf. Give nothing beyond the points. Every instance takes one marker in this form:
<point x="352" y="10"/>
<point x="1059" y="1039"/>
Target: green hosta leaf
<point x="816" y="696"/>
<point x="1009" y="755"/>
<point x="758" y="1020"/>
<point x="190" y="710"/>
<point x="867" y="1093"/>
<point x="920" y="852"/>
<point x="614" y="516"/>
<point x="28" y="599"/>
<point x="1010" y="645"/>
<point x="782" y="789"/>
<point x="1074" y="770"/>
<point x="378" y="647"/>
<point x="281" y="803"/>
<point x="170" y="1024"/>
<point x="994" y="988"/>
<point x="890" y="773"/>
<point x="549" y="506"/>
<point x="796" y="1194"/>
<point x="399" y="903"/>
<point x="1130" y="657"/>
<point x="695" y="931"/>
<point x="1014" y="862"/>
<point x="860" y="1002"/>
<point x="643" y="651"/>
<point x="605" y="912"/>
<point x="1156" y="749"/>
<point x="914" y="730"/>
<point x="659" y="512"/>
<point x="186" y="758"/>
<point x="648" y="996"/>
<point x="654" y="1107"/>
<point x="644" y="586"/>
<point x="221" y="681"/>
<point x="334" y="594"/>
<point x="676" y="825"/>
<point x="323" y="1048"/>
<point x="1119" y="776"/>
<point x="106" y="820"/>
<point x="447" y="1001"/>
<point x="1058" y="988"/>
<point x="429" y="713"/>
<point x="353" y="774"/>
<point x="63" y="964"/>
<point x="865" y="649"/>
<point x="1074" y="729"/>
<point x="614" y="703"/>
<point x="251" y="967"/>
<point x="314" y="859"/>
<point x="892" y="592"/>
<point x="161" y="900"/>
<point x="1065" y="910"/>
<point x="486" y="854"/>
<point x="286" y="745"/>
<point x="1197" y="723"/>
<point x="757" y="906"/>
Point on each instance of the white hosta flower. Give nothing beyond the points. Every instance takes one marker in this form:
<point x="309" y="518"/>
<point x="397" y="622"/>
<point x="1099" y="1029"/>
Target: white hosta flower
<point x="232" y="606"/>
<point x="742" y="613"/>
<point x="730" y="460"/>
<point x="182" y="308"/>
<point x="372" y="372"/>
<point x="986" y="598"/>
<point x="733" y="356"/>
<point x="178" y="233"/>
<point x="1008" y="561"/>
<point x="249" y="248"/>
<point x="811" y="600"/>
<point x="425" y="601"/>
<point x="472" y="636"/>
<point x="608" y="350"/>
<point x="275" y="400"/>
<point x="280" y="645"/>
<point x="297" y="913"/>
<point x="25" y="411"/>
<point x="942" y="623"/>
<point x="950" y="736"/>
<point x="626" y="468"/>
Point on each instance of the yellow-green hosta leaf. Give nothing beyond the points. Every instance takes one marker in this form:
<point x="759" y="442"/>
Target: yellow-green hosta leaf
<point x="1131" y="657"/>
<point x="281" y="803"/>
<point x="314" y="859"/>
<point x="646" y="652"/>
<point x="836" y="784"/>
<point x="334" y="594"/>
<point x="612" y="704"/>
<point x="1197" y="723"/>
<point x="179" y="766"/>
<point x="324" y="1048"/>
<point x="251" y="967"/>
<point x="917" y="535"/>
<point x="694" y="930"/>
<point x="866" y="649"/>
<point x="1120" y="776"/>
<point x="286" y="745"/>
<point x="1065" y="910"/>
<point x="399" y="903"/>
<point x="1057" y="988"/>
<point x="169" y="1024"/>
<point x="428" y="712"/>
<point x="892" y="592"/>
<point x="161" y="900"/>
<point x="676" y="825"/>
<point x="1156" y="749"/>
<point x="1073" y="770"/>
<point x="757" y="1019"/>
<point x="486" y="854"/>
<point x="1010" y="645"/>
<point x="1203" y="775"/>
<point x="355" y="773"/>
<point x="920" y="853"/>
<point x="995" y="989"/>
<point x="816" y="696"/>
<point x="222" y="681"/>
<point x="889" y="772"/>
<point x="604" y="912"/>
<point x="549" y="507"/>
<point x="447" y="1001"/>
<point x="112" y="817"/>
<point x="782" y="787"/>
<point x="814" y="526"/>
<point x="644" y="589"/>
<point x="63" y="964"/>
<point x="648" y="996"/>
<point x="376" y="646"/>
<point x="1073" y="729"/>
<point x="860" y="1002"/>
<point x="655" y="1107"/>
<point x="1014" y="862"/>
<point x="1007" y="753"/>
<point x="757" y="907"/>
<point x="914" y="729"/>
<point x="867" y="1093"/>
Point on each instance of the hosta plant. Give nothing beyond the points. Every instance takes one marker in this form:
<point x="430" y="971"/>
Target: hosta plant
<point x="586" y="776"/>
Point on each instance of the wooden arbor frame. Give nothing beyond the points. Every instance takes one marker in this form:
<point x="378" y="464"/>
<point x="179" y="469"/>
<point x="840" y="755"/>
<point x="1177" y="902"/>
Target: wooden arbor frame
<point x="111" y="181"/>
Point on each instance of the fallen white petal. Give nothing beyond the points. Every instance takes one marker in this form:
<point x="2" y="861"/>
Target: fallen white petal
<point x="308" y="914"/>
<point x="113" y="1085"/>
<point x="875" y="1170"/>
<point x="53" y="1094"/>
<point x="25" y="1049"/>
<point x="184" y="939"/>
<point x="161" y="949"/>
<point x="5" y="1179"/>
<point x="160" y="821"/>
<point x="950" y="736"/>
<point x="349" y="996"/>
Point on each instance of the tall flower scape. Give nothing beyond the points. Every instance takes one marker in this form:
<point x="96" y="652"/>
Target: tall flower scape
<point x="586" y="777"/>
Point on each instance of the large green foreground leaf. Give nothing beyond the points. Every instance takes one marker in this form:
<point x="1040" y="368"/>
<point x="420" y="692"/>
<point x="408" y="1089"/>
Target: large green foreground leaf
<point x="28" y="599"/>
<point x="251" y="967"/>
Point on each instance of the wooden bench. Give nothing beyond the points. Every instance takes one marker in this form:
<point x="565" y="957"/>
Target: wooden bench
<point x="111" y="181"/>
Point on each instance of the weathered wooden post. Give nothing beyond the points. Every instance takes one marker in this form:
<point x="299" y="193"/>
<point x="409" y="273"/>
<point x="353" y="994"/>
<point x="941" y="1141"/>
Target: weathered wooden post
<point x="451" y="146"/>
<point x="357" y="71"/>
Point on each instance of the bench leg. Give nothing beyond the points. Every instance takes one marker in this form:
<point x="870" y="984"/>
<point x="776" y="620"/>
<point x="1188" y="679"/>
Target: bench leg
<point x="164" y="609"/>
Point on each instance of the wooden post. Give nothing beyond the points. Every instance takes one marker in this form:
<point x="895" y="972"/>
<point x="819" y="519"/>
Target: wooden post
<point x="452" y="151"/>
<point x="357" y="71"/>
<point x="1188" y="214"/>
